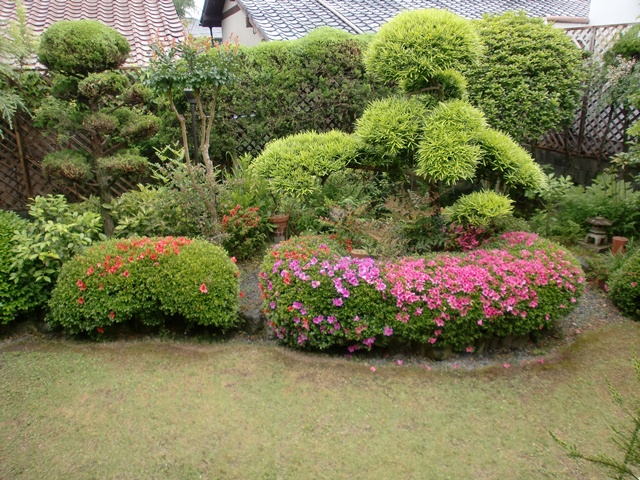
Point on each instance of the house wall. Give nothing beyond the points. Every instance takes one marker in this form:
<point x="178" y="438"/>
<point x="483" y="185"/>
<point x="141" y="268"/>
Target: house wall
<point x="236" y="25"/>
<point x="609" y="12"/>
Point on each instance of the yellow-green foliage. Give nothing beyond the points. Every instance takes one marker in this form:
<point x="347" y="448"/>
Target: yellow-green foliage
<point x="446" y="152"/>
<point x="296" y="165"/>
<point x="504" y="160"/>
<point x="413" y="48"/>
<point x="480" y="209"/>
<point x="390" y="129"/>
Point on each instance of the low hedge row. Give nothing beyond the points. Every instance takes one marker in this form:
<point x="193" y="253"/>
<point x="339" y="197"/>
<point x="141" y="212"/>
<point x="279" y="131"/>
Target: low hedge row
<point x="146" y="280"/>
<point x="317" y="296"/>
<point x="624" y="287"/>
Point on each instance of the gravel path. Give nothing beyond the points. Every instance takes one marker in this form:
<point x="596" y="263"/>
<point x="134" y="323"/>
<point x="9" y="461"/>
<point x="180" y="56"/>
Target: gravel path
<point x="594" y="311"/>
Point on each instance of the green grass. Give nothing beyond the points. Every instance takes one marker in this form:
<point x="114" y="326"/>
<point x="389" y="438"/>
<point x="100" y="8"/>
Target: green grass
<point x="155" y="409"/>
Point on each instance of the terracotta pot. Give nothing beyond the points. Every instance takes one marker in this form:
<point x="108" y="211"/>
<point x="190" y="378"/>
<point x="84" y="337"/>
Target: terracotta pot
<point x="281" y="222"/>
<point x="619" y="244"/>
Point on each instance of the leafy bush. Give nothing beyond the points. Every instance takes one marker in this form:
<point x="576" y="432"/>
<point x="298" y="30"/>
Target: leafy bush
<point x="480" y="209"/>
<point x="15" y="297"/>
<point x="446" y="152"/>
<point x="315" y="297"/>
<point x="625" y="287"/>
<point x="422" y="49"/>
<point x="530" y="78"/>
<point x="628" y="44"/>
<point x="146" y="280"/>
<point x="55" y="234"/>
<point x="297" y="165"/>
<point x="152" y="211"/>
<point x="390" y="129"/>
<point x="245" y="232"/>
<point x="81" y="47"/>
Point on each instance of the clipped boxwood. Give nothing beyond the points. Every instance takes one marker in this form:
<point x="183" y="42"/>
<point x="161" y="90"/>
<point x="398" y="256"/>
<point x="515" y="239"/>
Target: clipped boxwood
<point x="625" y="287"/>
<point x="445" y="300"/>
<point x="15" y="298"/>
<point x="146" y="279"/>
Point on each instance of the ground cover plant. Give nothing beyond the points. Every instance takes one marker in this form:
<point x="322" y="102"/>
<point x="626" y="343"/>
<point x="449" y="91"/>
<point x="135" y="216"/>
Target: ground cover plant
<point x="317" y="296"/>
<point x="146" y="280"/>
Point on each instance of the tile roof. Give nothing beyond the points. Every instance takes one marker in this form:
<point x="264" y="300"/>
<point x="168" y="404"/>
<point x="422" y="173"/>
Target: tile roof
<point x="138" y="20"/>
<point x="289" y="19"/>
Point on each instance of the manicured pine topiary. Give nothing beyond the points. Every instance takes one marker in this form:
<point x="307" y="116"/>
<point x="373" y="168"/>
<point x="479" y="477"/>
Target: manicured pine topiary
<point x="91" y="98"/>
<point x="80" y="47"/>
<point x="422" y="50"/>
<point x="297" y="165"/>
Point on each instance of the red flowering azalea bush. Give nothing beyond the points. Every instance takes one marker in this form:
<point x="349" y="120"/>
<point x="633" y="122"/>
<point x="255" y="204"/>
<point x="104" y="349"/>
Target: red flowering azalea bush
<point x="145" y="280"/>
<point x="245" y="231"/>
<point x="446" y="300"/>
<point x="625" y="287"/>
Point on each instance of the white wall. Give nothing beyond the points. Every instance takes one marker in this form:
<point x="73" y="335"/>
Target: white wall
<point x="607" y="12"/>
<point x="236" y="25"/>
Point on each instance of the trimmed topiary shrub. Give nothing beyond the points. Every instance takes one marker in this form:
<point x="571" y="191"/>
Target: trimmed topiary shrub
<point x="480" y="209"/>
<point x="316" y="297"/>
<point x="390" y="129"/>
<point x="82" y="46"/>
<point x="15" y="297"/>
<point x="423" y="49"/>
<point x="69" y="164"/>
<point x="297" y="165"/>
<point x="530" y="78"/>
<point x="625" y="287"/>
<point x="146" y="280"/>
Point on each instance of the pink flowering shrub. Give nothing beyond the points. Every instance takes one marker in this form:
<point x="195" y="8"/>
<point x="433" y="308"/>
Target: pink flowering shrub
<point x="146" y="280"/>
<point x="625" y="287"/>
<point x="518" y="286"/>
<point x="315" y="296"/>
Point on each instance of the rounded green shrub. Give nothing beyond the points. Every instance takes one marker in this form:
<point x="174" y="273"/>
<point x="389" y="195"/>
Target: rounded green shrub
<point x="123" y="164"/>
<point x="15" y="297"/>
<point x="417" y="46"/>
<point x="480" y="209"/>
<point x="102" y="84"/>
<point x="146" y="280"/>
<point x="317" y="296"/>
<point x="624" y="287"/>
<point x="297" y="165"/>
<point x="530" y="78"/>
<point x="69" y="164"/>
<point x="80" y="47"/>
<point x="628" y="44"/>
<point x="503" y="160"/>
<point x="390" y="129"/>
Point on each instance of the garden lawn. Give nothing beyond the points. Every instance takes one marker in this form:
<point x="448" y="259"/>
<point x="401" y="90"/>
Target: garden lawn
<point x="160" y="409"/>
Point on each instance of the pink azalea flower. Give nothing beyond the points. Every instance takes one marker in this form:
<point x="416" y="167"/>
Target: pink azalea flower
<point x="203" y="288"/>
<point x="399" y="362"/>
<point x="337" y="302"/>
<point x="373" y="369"/>
<point x="469" y="349"/>
<point x="388" y="331"/>
<point x="506" y="365"/>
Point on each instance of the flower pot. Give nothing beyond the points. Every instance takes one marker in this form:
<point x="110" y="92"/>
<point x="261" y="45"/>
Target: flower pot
<point x="281" y="222"/>
<point x="619" y="244"/>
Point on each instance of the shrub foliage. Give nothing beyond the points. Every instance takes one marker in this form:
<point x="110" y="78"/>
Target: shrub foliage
<point x="625" y="287"/>
<point x="318" y="297"/>
<point x="146" y="280"/>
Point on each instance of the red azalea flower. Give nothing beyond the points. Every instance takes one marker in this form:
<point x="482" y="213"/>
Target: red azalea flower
<point x="100" y="330"/>
<point x="203" y="288"/>
<point x="125" y="273"/>
<point x="81" y="301"/>
<point x="233" y="259"/>
<point x="112" y="315"/>
<point x="241" y="294"/>
<point x="81" y="285"/>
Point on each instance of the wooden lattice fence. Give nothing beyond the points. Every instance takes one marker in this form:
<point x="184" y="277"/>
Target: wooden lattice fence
<point x="599" y="130"/>
<point x="21" y="152"/>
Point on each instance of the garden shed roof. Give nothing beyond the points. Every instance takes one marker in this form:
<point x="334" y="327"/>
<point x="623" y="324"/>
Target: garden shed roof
<point x="290" y="19"/>
<point x="138" y="20"/>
